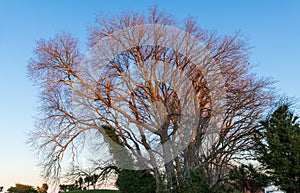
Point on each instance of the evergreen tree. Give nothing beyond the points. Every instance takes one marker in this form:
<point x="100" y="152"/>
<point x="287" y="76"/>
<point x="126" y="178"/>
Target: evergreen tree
<point x="247" y="178"/>
<point x="278" y="148"/>
<point x="80" y="181"/>
<point x="128" y="181"/>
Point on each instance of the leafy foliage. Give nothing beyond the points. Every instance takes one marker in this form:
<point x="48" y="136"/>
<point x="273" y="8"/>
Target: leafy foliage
<point x="43" y="189"/>
<point x="278" y="148"/>
<point x="21" y="188"/>
<point x="130" y="181"/>
<point x="196" y="183"/>
<point x="80" y="182"/>
<point x="67" y="187"/>
<point x="94" y="191"/>
<point x="246" y="177"/>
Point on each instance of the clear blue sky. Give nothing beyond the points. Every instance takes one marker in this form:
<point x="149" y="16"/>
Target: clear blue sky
<point x="273" y="28"/>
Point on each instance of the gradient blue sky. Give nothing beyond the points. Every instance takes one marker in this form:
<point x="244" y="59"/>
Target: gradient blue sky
<point x="272" y="26"/>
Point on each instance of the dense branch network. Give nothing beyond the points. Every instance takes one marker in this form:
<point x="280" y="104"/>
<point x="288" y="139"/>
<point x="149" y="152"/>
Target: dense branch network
<point x="141" y="94"/>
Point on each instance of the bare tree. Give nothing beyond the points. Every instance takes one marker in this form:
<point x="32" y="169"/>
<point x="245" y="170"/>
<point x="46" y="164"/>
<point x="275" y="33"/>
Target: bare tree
<point x="173" y="104"/>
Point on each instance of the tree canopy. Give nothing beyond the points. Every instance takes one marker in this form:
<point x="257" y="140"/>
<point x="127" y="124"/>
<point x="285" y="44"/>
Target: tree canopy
<point x="43" y="189"/>
<point x="21" y="188"/>
<point x="173" y="95"/>
<point x="278" y="148"/>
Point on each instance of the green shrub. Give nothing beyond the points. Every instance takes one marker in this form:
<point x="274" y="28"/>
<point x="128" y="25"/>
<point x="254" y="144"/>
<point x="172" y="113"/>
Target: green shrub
<point x="131" y="181"/>
<point x="195" y="184"/>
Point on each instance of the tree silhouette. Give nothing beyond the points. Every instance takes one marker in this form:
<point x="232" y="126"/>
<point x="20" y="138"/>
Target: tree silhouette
<point x="80" y="181"/>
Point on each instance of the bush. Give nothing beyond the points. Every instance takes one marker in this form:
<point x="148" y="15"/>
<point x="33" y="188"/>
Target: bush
<point x="131" y="181"/>
<point x="195" y="184"/>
